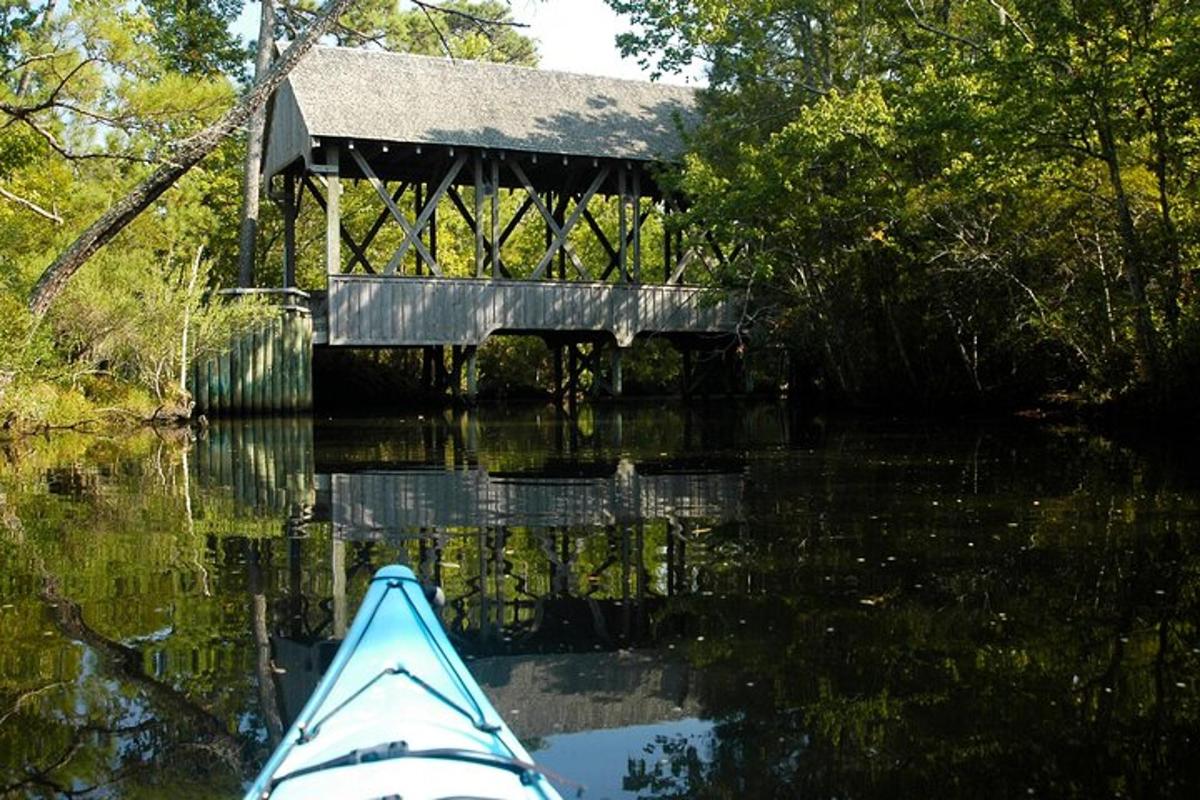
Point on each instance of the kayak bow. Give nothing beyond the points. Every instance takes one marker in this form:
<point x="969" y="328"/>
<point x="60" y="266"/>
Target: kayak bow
<point x="397" y="714"/>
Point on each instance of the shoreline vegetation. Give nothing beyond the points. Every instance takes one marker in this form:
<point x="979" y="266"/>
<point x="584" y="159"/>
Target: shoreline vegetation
<point x="937" y="209"/>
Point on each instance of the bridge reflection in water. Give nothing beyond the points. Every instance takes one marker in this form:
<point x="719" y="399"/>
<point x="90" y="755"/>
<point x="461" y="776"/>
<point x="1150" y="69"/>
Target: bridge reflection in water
<point x="552" y="542"/>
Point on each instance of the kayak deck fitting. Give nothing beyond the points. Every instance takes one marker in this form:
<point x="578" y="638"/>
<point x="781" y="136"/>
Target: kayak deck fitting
<point x="398" y="715"/>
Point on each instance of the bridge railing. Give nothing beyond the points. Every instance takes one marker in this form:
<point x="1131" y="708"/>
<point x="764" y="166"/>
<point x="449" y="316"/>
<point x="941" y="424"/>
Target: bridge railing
<point x="374" y="310"/>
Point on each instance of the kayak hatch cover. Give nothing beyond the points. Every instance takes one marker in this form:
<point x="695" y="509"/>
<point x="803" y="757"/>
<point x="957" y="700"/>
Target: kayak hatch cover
<point x="398" y="715"/>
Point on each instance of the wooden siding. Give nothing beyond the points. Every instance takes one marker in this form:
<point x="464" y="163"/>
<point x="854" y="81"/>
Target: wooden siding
<point x="365" y="502"/>
<point x="408" y="311"/>
<point x="288" y="139"/>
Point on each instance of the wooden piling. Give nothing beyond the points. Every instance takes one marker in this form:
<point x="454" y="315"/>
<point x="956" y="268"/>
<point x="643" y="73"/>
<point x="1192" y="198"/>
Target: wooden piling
<point x="265" y="370"/>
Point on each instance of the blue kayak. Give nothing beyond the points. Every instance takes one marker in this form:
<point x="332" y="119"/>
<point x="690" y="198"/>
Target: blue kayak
<point x="398" y="715"/>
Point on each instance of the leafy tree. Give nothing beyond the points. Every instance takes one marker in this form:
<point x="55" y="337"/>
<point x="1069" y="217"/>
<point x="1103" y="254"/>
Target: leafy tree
<point x="194" y="37"/>
<point x="970" y="201"/>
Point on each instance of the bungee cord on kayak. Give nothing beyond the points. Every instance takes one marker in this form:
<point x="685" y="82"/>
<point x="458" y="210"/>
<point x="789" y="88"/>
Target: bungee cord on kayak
<point x="479" y="723"/>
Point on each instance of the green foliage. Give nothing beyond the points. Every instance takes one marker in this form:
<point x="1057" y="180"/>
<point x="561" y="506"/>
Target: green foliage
<point x="952" y="202"/>
<point x="194" y="38"/>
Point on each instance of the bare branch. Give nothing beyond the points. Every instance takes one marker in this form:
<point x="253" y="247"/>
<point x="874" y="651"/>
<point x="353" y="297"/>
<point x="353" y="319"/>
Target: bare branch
<point x="479" y="21"/>
<point x="71" y="155"/>
<point x="437" y="29"/>
<point x="925" y="26"/>
<point x="32" y="206"/>
<point x="1007" y="16"/>
<point x="25" y="62"/>
<point x="51" y="100"/>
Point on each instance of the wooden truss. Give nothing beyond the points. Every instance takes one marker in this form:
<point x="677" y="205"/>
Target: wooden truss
<point x="562" y="211"/>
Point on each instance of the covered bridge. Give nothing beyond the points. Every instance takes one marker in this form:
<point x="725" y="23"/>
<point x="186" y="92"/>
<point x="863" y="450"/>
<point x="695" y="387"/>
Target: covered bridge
<point x="498" y="148"/>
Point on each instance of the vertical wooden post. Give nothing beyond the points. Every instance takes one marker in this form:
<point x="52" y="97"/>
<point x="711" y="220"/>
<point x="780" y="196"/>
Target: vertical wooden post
<point x="618" y="381"/>
<point x="259" y="359"/>
<point x="666" y="220"/>
<point x="478" y="215"/>
<point x="418" y="207"/>
<point x="637" y="225"/>
<point x="549" y="202"/>
<point x="287" y="396"/>
<point x="433" y="229"/>
<point x="558" y="373"/>
<point x="224" y="379"/>
<point x="471" y="353"/>
<point x="238" y="371"/>
<point x="495" y="208"/>
<point x="298" y="321"/>
<point x="333" y="211"/>
<point x="281" y="372"/>
<point x="622" y="224"/>
<point x="306" y="355"/>
<point x="560" y="219"/>
<point x="289" y="230"/>
<point x="572" y="374"/>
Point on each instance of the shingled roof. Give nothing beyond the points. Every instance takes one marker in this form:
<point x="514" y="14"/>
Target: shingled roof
<point x="361" y="94"/>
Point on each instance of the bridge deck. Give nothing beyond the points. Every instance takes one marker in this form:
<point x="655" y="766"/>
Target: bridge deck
<point x="368" y="310"/>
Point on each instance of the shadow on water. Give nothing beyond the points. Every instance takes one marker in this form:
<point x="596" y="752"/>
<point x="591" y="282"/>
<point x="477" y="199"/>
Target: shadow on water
<point x="663" y="603"/>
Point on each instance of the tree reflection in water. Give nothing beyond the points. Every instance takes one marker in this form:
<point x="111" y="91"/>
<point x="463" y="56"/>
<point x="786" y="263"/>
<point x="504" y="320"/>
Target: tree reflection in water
<point x="728" y="603"/>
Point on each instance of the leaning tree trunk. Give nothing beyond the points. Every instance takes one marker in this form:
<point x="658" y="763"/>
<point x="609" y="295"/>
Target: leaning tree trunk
<point x="254" y="149"/>
<point x="185" y="155"/>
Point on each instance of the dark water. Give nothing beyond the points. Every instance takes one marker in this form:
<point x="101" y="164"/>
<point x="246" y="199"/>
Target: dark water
<point x="717" y="604"/>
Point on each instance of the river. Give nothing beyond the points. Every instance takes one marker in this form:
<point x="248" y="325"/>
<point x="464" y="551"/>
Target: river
<point x="726" y="601"/>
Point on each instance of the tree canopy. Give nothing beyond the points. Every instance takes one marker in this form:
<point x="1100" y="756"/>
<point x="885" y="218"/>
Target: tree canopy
<point x="959" y="199"/>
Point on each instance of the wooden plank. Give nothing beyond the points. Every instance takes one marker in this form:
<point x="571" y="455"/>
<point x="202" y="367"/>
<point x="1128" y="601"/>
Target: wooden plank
<point x="224" y="381"/>
<point x="201" y="384"/>
<point x="238" y="371"/>
<point x="622" y="226"/>
<point x="289" y="230"/>
<point x="333" y="213"/>
<point x="306" y="356"/>
<point x="278" y="379"/>
<point x="477" y="225"/>
<point x="495" y="227"/>
<point x="638" y="219"/>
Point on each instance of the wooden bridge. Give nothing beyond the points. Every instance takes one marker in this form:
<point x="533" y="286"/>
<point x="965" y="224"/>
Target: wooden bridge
<point x="400" y="502"/>
<point x="430" y="203"/>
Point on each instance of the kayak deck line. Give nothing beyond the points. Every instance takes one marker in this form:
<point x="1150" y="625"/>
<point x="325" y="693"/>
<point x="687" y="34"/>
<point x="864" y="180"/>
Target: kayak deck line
<point x="526" y="771"/>
<point x="480" y="724"/>
<point x="307" y="732"/>
<point x="379" y="738"/>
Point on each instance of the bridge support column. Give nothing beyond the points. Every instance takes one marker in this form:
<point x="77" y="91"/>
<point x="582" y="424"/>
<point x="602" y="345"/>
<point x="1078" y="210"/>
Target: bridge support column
<point x="618" y="378"/>
<point x="427" y="369"/>
<point x="471" y="354"/>
<point x="558" y="374"/>
<point x="685" y="373"/>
